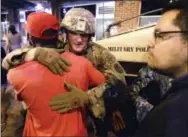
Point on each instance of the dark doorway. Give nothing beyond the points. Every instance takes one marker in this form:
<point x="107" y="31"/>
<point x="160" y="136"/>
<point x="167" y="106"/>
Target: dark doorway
<point x="148" y="5"/>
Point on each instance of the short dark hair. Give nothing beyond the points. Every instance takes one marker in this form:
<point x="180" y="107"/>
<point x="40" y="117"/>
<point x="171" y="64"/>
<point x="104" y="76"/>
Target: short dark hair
<point x="12" y="29"/>
<point x="181" y="19"/>
<point x="48" y="43"/>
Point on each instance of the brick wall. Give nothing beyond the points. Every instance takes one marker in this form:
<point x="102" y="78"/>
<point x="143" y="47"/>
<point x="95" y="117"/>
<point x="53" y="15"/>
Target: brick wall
<point x="126" y="9"/>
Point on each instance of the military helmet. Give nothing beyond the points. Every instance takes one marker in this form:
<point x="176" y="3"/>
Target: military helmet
<point x="79" y="20"/>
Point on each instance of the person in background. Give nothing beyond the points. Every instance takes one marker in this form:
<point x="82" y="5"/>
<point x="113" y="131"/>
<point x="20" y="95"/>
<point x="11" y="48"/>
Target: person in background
<point x="14" y="39"/>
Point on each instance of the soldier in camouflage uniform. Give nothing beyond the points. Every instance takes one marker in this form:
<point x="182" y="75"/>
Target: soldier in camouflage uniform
<point x="77" y="21"/>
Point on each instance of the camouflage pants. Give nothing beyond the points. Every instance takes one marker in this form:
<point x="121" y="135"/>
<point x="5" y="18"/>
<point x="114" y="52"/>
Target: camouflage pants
<point x="13" y="120"/>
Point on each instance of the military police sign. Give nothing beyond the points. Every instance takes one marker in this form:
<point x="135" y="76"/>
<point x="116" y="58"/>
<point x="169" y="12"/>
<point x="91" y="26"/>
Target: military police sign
<point x="130" y="46"/>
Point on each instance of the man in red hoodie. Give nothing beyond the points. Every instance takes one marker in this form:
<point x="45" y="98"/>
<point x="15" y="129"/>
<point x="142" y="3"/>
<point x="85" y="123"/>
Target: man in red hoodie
<point x="36" y="85"/>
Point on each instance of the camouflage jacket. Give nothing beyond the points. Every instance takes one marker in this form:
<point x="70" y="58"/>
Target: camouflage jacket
<point x="101" y="58"/>
<point x="12" y="123"/>
<point x="146" y="75"/>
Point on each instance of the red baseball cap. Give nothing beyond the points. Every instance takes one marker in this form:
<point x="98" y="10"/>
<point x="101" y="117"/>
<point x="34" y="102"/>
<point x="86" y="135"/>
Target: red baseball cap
<point x="39" y="22"/>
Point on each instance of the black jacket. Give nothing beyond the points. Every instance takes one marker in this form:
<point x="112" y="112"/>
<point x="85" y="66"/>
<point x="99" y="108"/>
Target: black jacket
<point x="170" y="117"/>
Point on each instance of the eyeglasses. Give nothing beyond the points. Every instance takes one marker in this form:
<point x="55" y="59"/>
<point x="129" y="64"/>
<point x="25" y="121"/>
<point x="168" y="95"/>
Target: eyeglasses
<point x="163" y="35"/>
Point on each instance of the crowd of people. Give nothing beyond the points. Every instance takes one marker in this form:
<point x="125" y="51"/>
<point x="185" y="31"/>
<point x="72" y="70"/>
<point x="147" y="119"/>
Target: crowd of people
<point x="77" y="88"/>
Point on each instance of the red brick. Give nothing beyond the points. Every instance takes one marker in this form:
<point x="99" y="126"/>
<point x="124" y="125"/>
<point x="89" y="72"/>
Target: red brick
<point x="127" y="9"/>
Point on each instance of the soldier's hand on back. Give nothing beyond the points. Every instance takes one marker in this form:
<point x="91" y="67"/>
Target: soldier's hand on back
<point x="51" y="59"/>
<point x="74" y="99"/>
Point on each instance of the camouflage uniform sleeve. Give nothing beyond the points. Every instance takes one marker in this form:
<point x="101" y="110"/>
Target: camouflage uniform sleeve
<point x="142" y="108"/>
<point x="107" y="63"/>
<point x="146" y="75"/>
<point x="165" y="82"/>
<point x="15" y="57"/>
